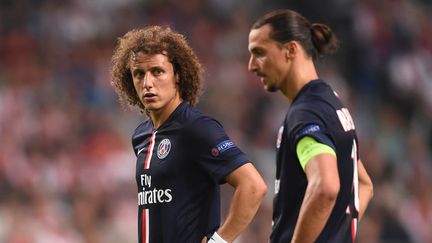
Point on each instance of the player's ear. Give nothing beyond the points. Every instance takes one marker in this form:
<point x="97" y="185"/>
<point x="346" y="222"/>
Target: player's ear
<point x="177" y="78"/>
<point x="290" y="49"/>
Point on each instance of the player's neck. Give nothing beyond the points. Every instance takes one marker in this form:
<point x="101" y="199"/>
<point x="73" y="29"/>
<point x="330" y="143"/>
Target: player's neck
<point x="301" y="73"/>
<point x="159" y="116"/>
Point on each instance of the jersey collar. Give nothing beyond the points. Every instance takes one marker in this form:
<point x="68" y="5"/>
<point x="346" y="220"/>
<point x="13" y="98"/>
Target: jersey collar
<point x="306" y="87"/>
<point x="174" y="115"/>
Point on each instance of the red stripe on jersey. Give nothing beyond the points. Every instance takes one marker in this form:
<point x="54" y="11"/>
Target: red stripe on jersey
<point x="143" y="226"/>
<point x="353" y="230"/>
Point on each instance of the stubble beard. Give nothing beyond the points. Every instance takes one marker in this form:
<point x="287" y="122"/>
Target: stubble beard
<point x="271" y="88"/>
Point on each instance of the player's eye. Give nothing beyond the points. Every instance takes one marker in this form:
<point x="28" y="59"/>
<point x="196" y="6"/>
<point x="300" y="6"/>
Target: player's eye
<point x="258" y="52"/>
<point x="157" y="71"/>
<point x="139" y="74"/>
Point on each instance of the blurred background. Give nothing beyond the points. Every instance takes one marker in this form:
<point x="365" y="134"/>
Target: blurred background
<point x="66" y="163"/>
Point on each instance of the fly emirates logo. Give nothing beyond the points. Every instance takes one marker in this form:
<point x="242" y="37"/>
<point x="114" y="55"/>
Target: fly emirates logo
<point x="152" y="196"/>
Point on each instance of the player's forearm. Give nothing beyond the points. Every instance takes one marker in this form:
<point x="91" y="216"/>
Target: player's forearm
<point x="365" y="195"/>
<point x="365" y="189"/>
<point x="315" y="211"/>
<point x="244" y="204"/>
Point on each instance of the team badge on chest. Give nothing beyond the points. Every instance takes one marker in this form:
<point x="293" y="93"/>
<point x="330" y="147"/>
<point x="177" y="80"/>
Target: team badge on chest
<point x="164" y="148"/>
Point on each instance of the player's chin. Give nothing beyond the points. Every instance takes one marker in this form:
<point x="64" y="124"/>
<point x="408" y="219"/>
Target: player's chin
<point x="151" y="106"/>
<point x="270" y="88"/>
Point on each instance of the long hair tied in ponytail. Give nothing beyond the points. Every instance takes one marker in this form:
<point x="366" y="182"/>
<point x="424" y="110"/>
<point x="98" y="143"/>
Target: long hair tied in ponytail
<point x="323" y="39"/>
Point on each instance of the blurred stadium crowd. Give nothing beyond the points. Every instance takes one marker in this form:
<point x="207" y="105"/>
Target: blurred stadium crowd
<point x="66" y="164"/>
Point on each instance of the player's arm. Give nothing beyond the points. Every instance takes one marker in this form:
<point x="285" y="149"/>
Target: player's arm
<point x="365" y="189"/>
<point x="320" y="165"/>
<point x="250" y="189"/>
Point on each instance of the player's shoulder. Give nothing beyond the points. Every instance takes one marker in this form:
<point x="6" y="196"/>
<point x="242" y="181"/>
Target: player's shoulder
<point x="203" y="122"/>
<point x="306" y="108"/>
<point x="314" y="92"/>
<point x="187" y="114"/>
<point x="312" y="105"/>
<point x="144" y="128"/>
<point x="318" y="97"/>
<point x="200" y="128"/>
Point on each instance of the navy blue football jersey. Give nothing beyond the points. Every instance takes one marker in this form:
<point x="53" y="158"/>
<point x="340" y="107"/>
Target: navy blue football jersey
<point x="179" y="169"/>
<point x="317" y="112"/>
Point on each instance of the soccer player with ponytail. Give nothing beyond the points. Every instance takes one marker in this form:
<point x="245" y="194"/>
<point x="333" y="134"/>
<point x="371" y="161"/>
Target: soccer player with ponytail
<point x="322" y="188"/>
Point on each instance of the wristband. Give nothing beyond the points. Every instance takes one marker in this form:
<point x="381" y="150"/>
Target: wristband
<point x="215" y="238"/>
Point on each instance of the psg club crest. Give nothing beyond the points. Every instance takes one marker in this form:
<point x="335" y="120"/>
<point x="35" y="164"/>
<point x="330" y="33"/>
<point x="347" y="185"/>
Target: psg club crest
<point x="164" y="148"/>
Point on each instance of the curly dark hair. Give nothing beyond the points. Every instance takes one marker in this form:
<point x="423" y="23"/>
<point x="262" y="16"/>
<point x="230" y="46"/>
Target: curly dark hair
<point x="155" y="40"/>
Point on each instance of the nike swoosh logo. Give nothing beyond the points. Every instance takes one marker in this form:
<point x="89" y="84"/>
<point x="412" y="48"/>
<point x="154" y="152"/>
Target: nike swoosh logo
<point x="139" y="151"/>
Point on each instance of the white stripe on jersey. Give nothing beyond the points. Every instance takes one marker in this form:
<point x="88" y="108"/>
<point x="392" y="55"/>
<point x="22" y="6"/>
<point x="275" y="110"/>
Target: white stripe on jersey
<point x="355" y="176"/>
<point x="147" y="226"/>
<point x="152" y="144"/>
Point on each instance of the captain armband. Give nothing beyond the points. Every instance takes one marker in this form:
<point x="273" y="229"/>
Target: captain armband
<point x="308" y="148"/>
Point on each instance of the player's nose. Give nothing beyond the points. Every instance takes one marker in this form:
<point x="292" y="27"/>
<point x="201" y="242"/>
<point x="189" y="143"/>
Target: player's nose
<point x="252" y="65"/>
<point x="148" y="81"/>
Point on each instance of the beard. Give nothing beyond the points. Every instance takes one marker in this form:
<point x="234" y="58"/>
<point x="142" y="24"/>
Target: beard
<point x="271" y="87"/>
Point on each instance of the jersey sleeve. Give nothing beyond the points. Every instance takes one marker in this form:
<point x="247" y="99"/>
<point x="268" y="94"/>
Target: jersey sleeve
<point x="307" y="122"/>
<point x="213" y="150"/>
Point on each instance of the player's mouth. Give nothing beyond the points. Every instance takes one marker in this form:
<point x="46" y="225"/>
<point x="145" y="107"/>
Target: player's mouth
<point x="149" y="96"/>
<point x="261" y="76"/>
